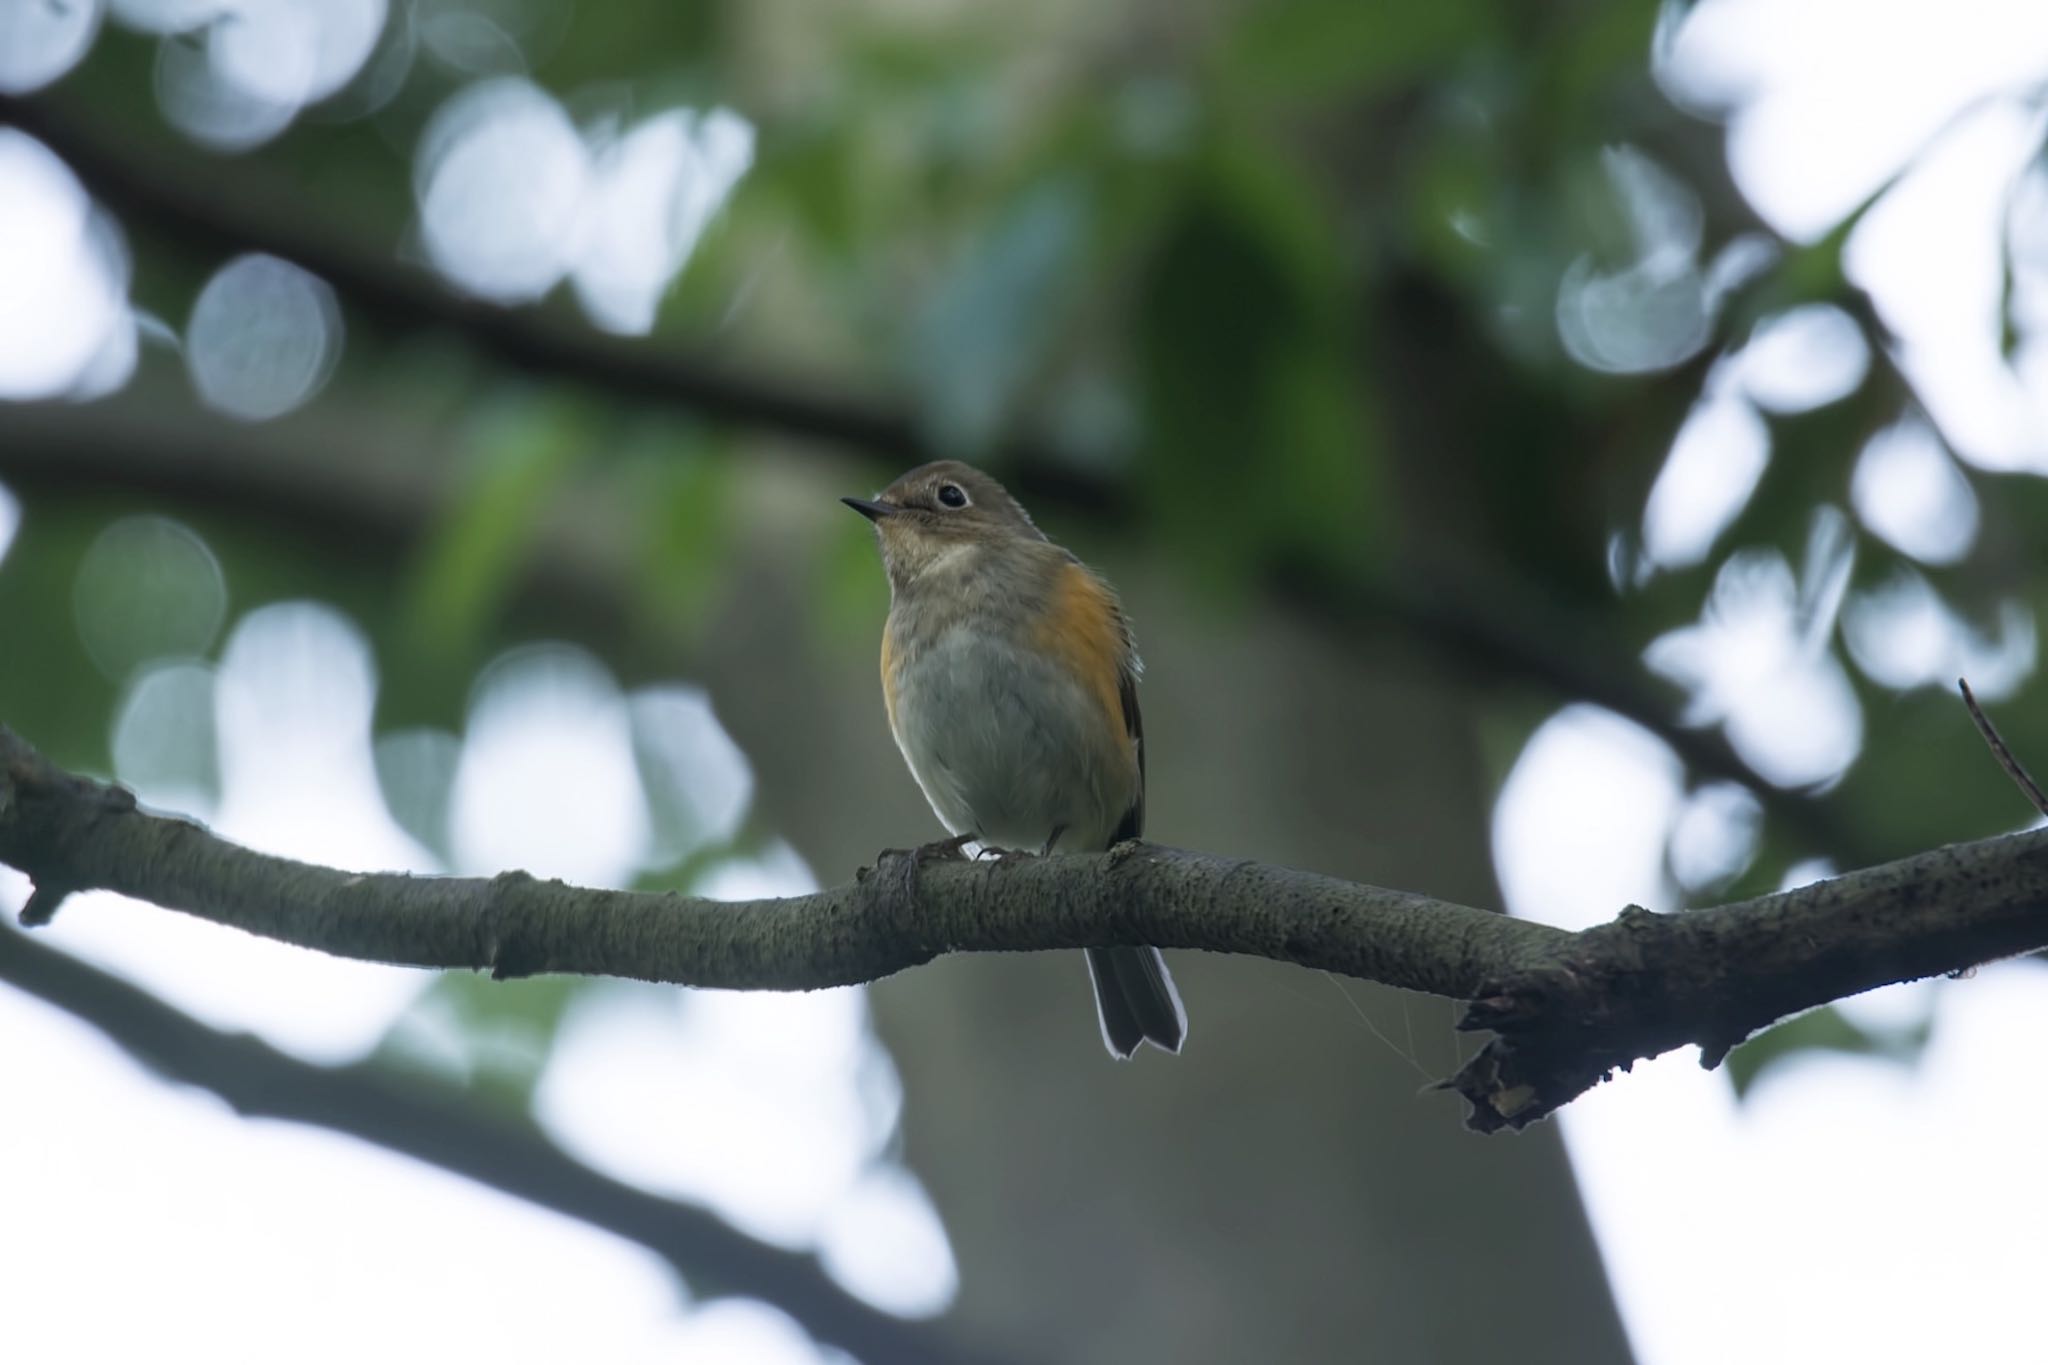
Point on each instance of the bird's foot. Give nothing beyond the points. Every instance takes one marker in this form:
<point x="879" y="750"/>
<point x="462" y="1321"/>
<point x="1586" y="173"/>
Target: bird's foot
<point x="1004" y="858"/>
<point x="942" y="850"/>
<point x="1121" y="852"/>
<point x="937" y="851"/>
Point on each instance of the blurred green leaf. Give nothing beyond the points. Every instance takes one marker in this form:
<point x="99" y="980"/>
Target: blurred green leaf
<point x="519" y="454"/>
<point x="852" y="594"/>
<point x="1255" y="405"/>
<point x="491" y="1037"/>
<point x="1217" y="311"/>
<point x="810" y="169"/>
<point x="1821" y="1030"/>
<point x="61" y="702"/>
<point x="679" y="485"/>
<point x="1310" y="50"/>
<point x="985" y="330"/>
<point x="416" y="771"/>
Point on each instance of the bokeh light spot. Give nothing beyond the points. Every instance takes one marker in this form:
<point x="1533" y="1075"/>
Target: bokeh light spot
<point x="492" y="37"/>
<point x="1707" y="479"/>
<point x="548" y="781"/>
<point x="267" y="49"/>
<point x="346" y="33"/>
<point x="1908" y="490"/>
<point x="1758" y="664"/>
<point x="1715" y="836"/>
<point x="653" y="192"/>
<point x="292" y="697"/>
<point x="1580" y="826"/>
<point x="502" y="177"/>
<point x="1903" y="635"/>
<point x="294" y="675"/>
<point x="416" y="769"/>
<point x="472" y="44"/>
<point x="10" y="521"/>
<point x="63" y="277"/>
<point x="512" y="198"/>
<point x="167" y="16"/>
<point x="1651" y="313"/>
<point x="263" y="338"/>
<point x="743" y="1330"/>
<point x="164" y="743"/>
<point x="747" y="1100"/>
<point x="113" y="364"/>
<point x="1631" y="321"/>
<point x="698" y="782"/>
<point x="147" y="588"/>
<point x="884" y="1242"/>
<point x="40" y="40"/>
<point x="1804" y="358"/>
<point x="208" y="108"/>
<point x="234" y="74"/>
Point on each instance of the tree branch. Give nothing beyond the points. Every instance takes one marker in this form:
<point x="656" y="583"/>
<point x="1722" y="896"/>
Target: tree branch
<point x="1567" y="1008"/>
<point x="2002" y="751"/>
<point x="429" y="1124"/>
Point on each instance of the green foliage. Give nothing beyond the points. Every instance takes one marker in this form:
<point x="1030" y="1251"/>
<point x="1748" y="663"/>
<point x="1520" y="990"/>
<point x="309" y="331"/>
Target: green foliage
<point x="988" y="324"/>
<point x="1821" y="1030"/>
<point x="1314" y="51"/>
<point x="1253" y="401"/>
<point x="489" y="1037"/>
<point x="851" y="592"/>
<point x="60" y="699"/>
<point x="680" y="487"/>
<point x="520" y="455"/>
<point x="1283" y="275"/>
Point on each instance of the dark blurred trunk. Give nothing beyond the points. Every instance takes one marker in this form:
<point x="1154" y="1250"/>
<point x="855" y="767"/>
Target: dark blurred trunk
<point x="1281" y="1191"/>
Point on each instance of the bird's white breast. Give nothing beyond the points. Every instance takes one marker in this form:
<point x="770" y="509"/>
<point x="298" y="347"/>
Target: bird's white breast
<point x="1010" y="747"/>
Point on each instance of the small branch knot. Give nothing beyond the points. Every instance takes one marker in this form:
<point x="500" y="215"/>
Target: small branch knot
<point x="495" y="942"/>
<point x="44" y="903"/>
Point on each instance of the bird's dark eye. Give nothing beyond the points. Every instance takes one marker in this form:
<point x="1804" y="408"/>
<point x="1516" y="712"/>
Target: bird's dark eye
<point x="952" y="495"/>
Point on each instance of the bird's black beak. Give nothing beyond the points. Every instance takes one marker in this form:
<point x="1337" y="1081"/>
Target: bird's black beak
<point x="873" y="511"/>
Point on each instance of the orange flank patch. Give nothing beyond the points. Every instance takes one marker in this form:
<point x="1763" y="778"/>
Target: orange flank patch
<point x="1082" y="629"/>
<point x="889" y="677"/>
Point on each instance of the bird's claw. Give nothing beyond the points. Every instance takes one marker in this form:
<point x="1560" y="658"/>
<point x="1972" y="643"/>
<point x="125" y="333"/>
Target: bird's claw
<point x="1120" y="853"/>
<point x="943" y="850"/>
<point x="938" y="850"/>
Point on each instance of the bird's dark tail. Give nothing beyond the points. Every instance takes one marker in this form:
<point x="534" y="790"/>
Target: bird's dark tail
<point x="1136" y="1001"/>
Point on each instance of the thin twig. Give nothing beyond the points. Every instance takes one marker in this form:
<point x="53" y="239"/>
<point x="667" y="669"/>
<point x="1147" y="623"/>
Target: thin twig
<point x="1999" y="750"/>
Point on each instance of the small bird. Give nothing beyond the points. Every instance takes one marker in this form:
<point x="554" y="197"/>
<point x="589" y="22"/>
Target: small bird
<point x="1012" y="688"/>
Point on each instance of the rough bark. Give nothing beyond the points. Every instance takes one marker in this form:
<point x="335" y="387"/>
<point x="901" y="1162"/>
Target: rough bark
<point x="1566" y="1008"/>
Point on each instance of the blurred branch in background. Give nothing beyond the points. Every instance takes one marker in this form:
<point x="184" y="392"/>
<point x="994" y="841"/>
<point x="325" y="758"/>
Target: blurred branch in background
<point x="378" y="497"/>
<point x="1568" y="1007"/>
<point x="322" y="490"/>
<point x="1519" y="634"/>
<point x="215" y="206"/>
<point x="218" y="207"/>
<point x="1421" y="368"/>
<point x="333" y="489"/>
<point x="416" y="1119"/>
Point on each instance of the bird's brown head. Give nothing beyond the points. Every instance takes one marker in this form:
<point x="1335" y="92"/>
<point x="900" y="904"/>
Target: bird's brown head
<point x="937" y="511"/>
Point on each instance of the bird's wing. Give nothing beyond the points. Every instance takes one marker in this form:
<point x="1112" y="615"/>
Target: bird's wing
<point x="1133" y="823"/>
